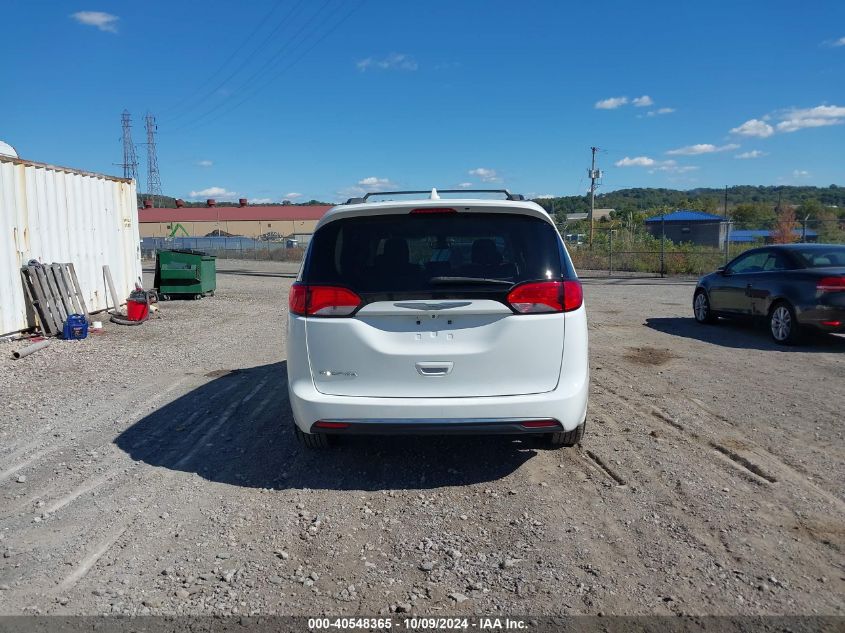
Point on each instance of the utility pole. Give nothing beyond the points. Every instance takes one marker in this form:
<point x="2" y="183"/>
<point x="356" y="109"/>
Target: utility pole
<point x="153" y="176"/>
<point x="727" y="227"/>
<point x="130" y="158"/>
<point x="595" y="174"/>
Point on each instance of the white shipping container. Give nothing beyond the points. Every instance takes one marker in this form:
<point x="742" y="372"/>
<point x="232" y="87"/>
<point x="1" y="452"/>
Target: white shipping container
<point x="60" y="215"/>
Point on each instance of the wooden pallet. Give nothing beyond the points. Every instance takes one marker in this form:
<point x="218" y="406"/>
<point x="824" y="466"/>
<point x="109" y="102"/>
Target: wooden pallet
<point x="54" y="293"/>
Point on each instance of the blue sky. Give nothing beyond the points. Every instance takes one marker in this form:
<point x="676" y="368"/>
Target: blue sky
<point x="328" y="98"/>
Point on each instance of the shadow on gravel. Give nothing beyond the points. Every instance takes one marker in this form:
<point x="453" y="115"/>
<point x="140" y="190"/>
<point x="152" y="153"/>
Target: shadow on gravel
<point x="743" y="335"/>
<point x="237" y="429"/>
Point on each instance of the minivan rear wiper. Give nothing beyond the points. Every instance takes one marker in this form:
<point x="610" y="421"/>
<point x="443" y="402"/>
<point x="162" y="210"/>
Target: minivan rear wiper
<point x="470" y="280"/>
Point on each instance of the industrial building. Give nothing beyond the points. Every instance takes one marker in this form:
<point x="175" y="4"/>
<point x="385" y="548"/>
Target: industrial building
<point x="685" y="225"/>
<point x="257" y="222"/>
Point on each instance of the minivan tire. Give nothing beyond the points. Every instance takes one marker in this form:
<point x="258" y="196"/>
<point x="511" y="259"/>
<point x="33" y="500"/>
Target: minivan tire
<point x="315" y="441"/>
<point x="567" y="438"/>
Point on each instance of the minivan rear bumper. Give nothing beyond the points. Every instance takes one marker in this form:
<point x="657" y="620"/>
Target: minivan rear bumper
<point x="567" y="404"/>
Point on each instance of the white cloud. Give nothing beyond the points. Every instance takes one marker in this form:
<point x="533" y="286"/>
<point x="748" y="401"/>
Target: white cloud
<point x="394" y="61"/>
<point x="103" y="21"/>
<point x="660" y="111"/>
<point x="214" y="192"/>
<point x="673" y="167"/>
<point x="643" y="102"/>
<point x="541" y="196"/>
<point x="819" y="116"/>
<point x="611" y="104"/>
<point x="755" y="153"/>
<point x="367" y="185"/>
<point x="376" y="183"/>
<point x="835" y="43"/>
<point x="800" y="173"/>
<point x="293" y="195"/>
<point x="636" y="161"/>
<point x="485" y="174"/>
<point x="701" y="148"/>
<point x="261" y="200"/>
<point x="464" y="185"/>
<point x="754" y="127"/>
<point x="205" y="163"/>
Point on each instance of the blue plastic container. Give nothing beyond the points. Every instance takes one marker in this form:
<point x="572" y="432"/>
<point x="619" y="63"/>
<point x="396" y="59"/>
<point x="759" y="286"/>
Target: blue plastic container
<point x="75" y="328"/>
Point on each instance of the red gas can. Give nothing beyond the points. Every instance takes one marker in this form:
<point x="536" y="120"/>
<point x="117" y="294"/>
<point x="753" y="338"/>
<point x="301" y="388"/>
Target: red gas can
<point x="136" y="311"/>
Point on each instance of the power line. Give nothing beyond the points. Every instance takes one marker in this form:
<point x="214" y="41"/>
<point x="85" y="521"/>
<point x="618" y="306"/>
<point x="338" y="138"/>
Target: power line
<point x="202" y="98"/>
<point x="197" y="123"/>
<point x="293" y="41"/>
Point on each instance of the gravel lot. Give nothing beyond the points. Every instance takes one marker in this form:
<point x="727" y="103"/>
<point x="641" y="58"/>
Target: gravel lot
<point x="152" y="470"/>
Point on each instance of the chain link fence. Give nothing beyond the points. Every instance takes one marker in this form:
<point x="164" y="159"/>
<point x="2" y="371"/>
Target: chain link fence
<point x="285" y="250"/>
<point x="659" y="248"/>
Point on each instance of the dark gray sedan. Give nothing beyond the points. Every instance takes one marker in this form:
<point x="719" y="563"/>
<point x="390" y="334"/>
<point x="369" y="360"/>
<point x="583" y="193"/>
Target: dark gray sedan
<point x="791" y="286"/>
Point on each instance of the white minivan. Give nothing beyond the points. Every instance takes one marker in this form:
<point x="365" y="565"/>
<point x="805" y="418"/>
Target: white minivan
<point x="437" y="316"/>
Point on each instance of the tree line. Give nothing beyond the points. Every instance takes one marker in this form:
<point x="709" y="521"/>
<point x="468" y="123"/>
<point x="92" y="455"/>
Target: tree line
<point x="650" y="201"/>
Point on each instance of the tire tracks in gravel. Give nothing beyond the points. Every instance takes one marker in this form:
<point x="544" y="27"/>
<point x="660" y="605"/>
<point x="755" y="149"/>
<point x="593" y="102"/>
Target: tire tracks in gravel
<point x="762" y="466"/>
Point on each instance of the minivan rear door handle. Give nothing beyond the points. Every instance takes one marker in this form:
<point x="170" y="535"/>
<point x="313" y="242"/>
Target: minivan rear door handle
<point x="436" y="368"/>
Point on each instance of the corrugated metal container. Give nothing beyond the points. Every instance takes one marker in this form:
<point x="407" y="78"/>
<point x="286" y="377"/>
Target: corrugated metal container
<point x="56" y="214"/>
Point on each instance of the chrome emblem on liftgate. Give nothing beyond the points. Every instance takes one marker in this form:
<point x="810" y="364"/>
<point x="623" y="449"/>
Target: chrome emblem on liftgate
<point x="333" y="373"/>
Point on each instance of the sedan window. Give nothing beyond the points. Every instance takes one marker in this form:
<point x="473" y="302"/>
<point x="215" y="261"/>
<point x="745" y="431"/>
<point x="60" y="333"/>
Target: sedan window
<point x="822" y="257"/>
<point x="750" y="263"/>
<point x="776" y="261"/>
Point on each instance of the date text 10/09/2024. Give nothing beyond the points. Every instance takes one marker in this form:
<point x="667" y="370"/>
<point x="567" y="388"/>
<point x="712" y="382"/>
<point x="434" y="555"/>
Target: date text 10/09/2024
<point x="418" y="623"/>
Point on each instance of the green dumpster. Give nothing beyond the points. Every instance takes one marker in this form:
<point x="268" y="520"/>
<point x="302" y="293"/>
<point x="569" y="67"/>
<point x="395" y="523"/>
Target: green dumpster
<point x="185" y="274"/>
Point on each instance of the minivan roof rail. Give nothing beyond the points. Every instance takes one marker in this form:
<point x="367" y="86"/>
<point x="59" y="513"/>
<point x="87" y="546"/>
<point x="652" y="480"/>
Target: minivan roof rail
<point x="508" y="195"/>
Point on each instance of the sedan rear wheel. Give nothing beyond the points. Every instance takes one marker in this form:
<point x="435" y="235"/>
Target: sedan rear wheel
<point x="701" y="308"/>
<point x="783" y="325"/>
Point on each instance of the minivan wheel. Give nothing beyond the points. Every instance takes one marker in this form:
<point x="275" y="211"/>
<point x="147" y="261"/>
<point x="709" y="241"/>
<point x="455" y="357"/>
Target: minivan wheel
<point x="567" y="438"/>
<point x="701" y="308"/>
<point x="311" y="440"/>
<point x="783" y="325"/>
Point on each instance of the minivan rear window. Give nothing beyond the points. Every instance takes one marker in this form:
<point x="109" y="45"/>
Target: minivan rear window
<point x="390" y="253"/>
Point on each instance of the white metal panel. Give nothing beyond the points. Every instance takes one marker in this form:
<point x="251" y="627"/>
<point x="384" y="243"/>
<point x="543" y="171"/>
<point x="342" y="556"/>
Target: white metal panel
<point x="55" y="214"/>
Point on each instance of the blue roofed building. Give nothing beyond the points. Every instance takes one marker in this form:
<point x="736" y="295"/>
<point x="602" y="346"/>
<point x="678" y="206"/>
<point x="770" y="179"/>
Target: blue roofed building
<point x="687" y="225"/>
<point x="750" y="236"/>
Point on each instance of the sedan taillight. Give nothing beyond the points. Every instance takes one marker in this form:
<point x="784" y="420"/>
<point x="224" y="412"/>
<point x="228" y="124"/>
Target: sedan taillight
<point x="831" y="284"/>
<point x="322" y="301"/>
<point x="546" y="296"/>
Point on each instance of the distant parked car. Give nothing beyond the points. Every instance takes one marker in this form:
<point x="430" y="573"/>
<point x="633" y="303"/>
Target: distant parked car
<point x="791" y="286"/>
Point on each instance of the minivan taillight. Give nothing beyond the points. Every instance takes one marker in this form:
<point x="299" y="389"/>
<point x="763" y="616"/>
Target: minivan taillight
<point x="831" y="284"/>
<point x="546" y="296"/>
<point x="322" y="301"/>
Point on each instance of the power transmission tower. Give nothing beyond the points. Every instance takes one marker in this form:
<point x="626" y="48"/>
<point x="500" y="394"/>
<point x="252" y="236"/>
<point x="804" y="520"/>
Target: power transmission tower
<point x="595" y="174"/>
<point x="153" y="176"/>
<point x="130" y="158"/>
